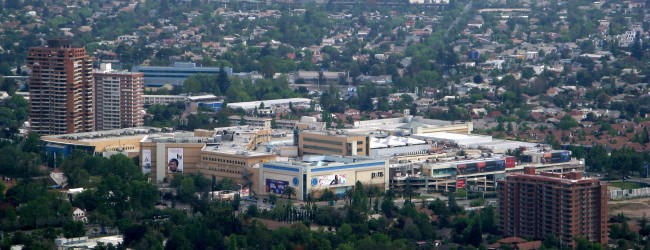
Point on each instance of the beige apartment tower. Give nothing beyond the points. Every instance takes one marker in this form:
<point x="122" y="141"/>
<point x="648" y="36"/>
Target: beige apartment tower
<point x="61" y="89"/>
<point x="119" y="97"/>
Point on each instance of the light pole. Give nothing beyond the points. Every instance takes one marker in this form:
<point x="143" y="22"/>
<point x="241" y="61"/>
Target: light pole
<point x="239" y="194"/>
<point x="240" y="189"/>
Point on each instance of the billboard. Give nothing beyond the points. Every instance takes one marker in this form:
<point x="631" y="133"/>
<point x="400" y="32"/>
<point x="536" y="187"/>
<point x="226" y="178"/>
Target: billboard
<point x="244" y="192"/>
<point x="556" y="157"/>
<point x="175" y="160"/>
<point x="484" y="166"/>
<point x="146" y="161"/>
<point x="439" y="172"/>
<point x="460" y="183"/>
<point x="275" y="186"/>
<point x="510" y="162"/>
<point x="329" y="180"/>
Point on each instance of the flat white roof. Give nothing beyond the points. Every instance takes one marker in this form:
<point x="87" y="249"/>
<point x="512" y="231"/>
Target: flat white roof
<point x="233" y="151"/>
<point x="268" y="103"/>
<point x="475" y="141"/>
<point x="201" y="97"/>
<point x="394" y="141"/>
<point x="460" y="139"/>
<point x="505" y="145"/>
<point x="164" y="96"/>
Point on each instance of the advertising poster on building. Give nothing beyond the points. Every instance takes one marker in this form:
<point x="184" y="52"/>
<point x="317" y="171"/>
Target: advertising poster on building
<point x="244" y="192"/>
<point x="275" y="186"/>
<point x="146" y="161"/>
<point x="329" y="180"/>
<point x="460" y="183"/>
<point x="175" y="160"/>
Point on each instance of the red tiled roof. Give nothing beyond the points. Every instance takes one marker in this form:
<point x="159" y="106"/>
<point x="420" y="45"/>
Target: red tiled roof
<point x="529" y="245"/>
<point x="511" y="240"/>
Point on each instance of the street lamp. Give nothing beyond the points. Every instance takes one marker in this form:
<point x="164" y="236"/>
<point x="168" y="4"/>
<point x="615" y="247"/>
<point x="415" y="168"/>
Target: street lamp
<point x="240" y="188"/>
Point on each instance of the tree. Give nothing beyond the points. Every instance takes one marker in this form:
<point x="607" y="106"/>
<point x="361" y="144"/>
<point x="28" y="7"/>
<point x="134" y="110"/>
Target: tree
<point x="624" y="161"/>
<point x="388" y="205"/>
<point x="477" y="78"/>
<point x="348" y="195"/>
<point x="408" y="190"/>
<point x="475" y="234"/>
<point x="73" y="229"/>
<point x="567" y="122"/>
<point x="373" y="191"/>
<point x="584" y="78"/>
<point x="327" y="195"/>
<point x="584" y="244"/>
<point x="453" y="206"/>
<point x="192" y="86"/>
<point x="32" y="142"/>
<point x="637" y="47"/>
<point x="551" y="242"/>
<point x="461" y="193"/>
<point x="274" y="124"/>
<point x="185" y="187"/>
<point x="596" y="158"/>
<point x="268" y="67"/>
<point x="643" y="137"/>
<point x="488" y="220"/>
<point x="222" y="80"/>
<point x="644" y="226"/>
<point x="273" y="198"/>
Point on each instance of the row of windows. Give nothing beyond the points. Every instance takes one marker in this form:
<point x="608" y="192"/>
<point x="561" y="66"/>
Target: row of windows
<point x="109" y="149"/>
<point x="169" y="76"/>
<point x="334" y="150"/>
<point x="151" y="72"/>
<point x="338" y="143"/>
<point x="212" y="159"/>
<point x="226" y="170"/>
<point x="358" y="150"/>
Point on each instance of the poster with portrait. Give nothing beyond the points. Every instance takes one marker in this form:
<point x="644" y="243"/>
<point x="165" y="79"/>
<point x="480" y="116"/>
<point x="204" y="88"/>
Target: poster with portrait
<point x="275" y="186"/>
<point x="174" y="160"/>
<point x="146" y="161"/>
<point x="331" y="180"/>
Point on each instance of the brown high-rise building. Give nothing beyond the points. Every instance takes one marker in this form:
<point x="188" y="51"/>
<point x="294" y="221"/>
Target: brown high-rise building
<point x="119" y="98"/>
<point x="538" y="205"/>
<point x="61" y="89"/>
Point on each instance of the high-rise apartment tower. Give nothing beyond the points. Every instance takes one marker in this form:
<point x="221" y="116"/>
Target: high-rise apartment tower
<point x="61" y="89"/>
<point x="119" y="98"/>
<point x="538" y="205"/>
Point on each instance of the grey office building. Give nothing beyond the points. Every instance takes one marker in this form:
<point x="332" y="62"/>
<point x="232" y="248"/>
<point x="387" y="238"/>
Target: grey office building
<point x="155" y="76"/>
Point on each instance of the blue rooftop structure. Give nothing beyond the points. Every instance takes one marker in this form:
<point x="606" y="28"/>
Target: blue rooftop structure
<point x="155" y="76"/>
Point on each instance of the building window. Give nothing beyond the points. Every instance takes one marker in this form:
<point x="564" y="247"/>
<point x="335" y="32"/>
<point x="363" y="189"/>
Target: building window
<point x="338" y="143"/>
<point x="334" y="150"/>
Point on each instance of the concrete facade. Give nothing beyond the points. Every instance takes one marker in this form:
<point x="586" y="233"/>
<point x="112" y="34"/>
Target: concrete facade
<point x="316" y="173"/>
<point x="331" y="143"/>
<point x="61" y="89"/>
<point x="537" y="205"/>
<point x="175" y="75"/>
<point x="119" y="98"/>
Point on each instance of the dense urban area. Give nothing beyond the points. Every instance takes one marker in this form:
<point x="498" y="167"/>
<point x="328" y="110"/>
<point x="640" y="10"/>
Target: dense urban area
<point x="338" y="124"/>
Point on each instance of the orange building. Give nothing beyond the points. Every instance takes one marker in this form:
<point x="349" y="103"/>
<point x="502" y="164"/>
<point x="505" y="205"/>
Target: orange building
<point x="61" y="89"/>
<point x="537" y="205"/>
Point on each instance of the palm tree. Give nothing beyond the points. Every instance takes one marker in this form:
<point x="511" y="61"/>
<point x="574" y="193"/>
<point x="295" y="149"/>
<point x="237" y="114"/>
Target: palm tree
<point x="348" y="195"/>
<point x="372" y="191"/>
<point x="288" y="192"/>
<point x="311" y="198"/>
<point x="408" y="190"/>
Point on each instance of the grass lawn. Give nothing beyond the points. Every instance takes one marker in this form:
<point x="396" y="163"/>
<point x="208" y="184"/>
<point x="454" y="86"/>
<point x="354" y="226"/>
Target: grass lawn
<point x="625" y="185"/>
